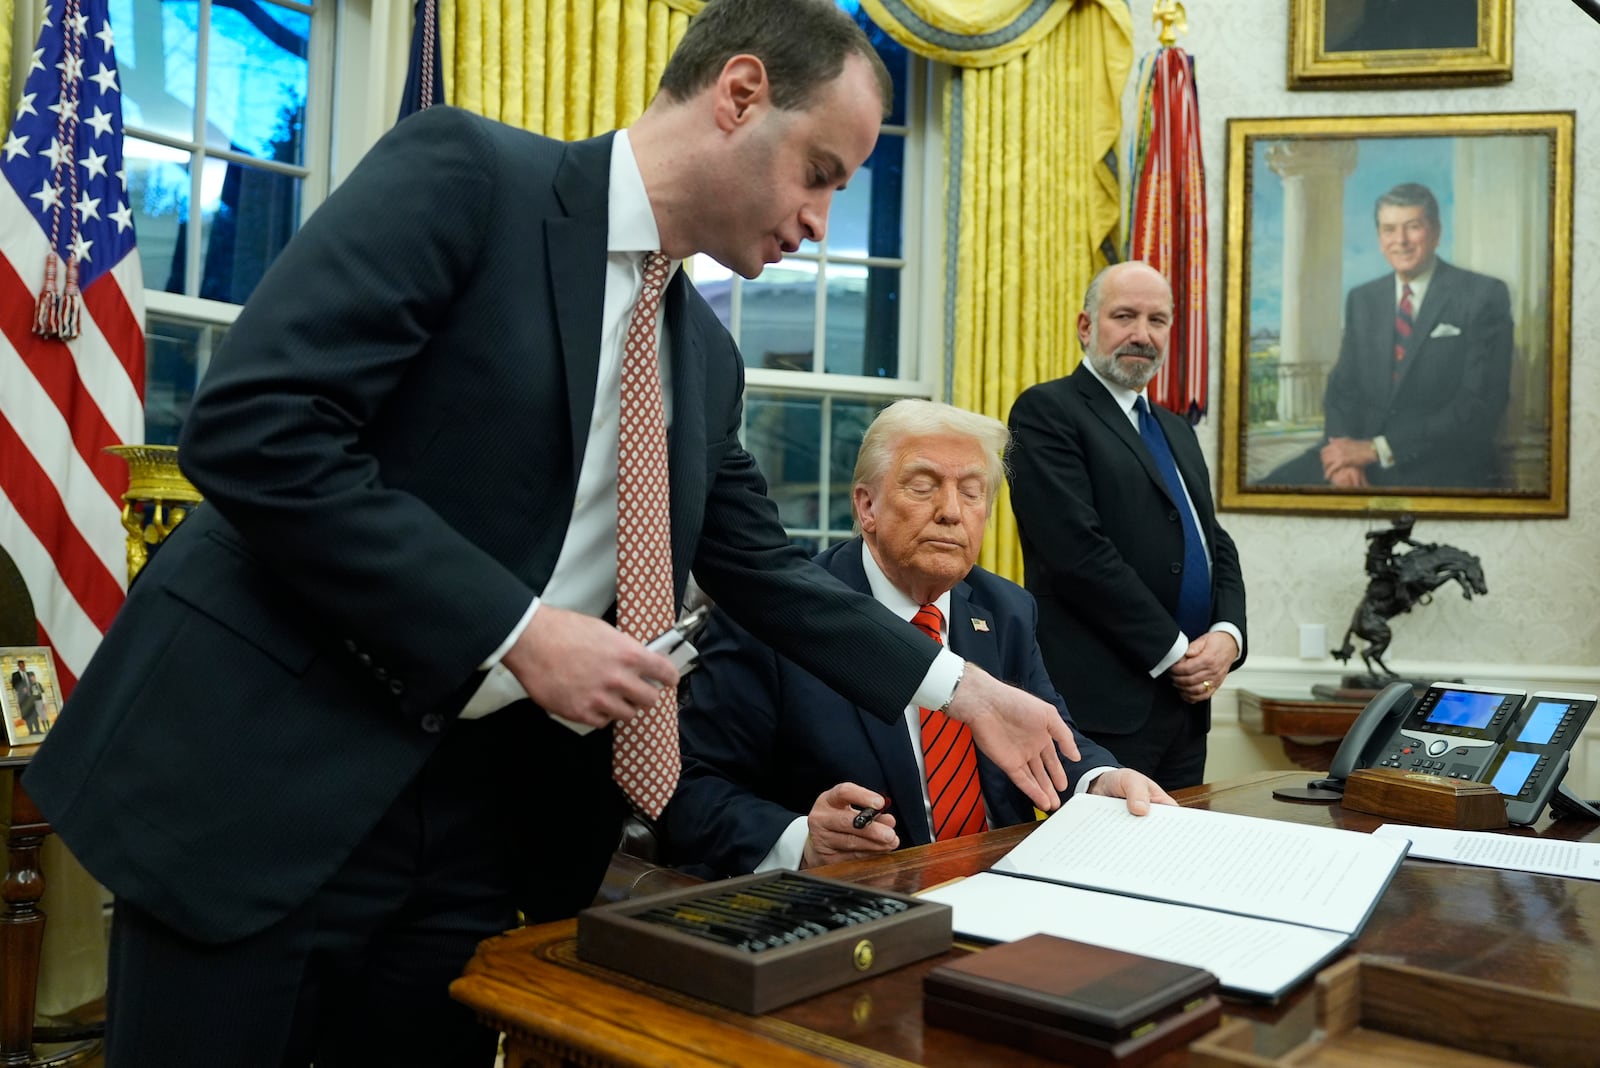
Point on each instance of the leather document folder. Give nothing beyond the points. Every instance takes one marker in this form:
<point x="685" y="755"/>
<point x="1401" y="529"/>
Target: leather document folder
<point x="1073" y="1001"/>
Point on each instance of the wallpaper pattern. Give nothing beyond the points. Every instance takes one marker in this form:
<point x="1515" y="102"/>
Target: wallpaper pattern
<point x="1543" y="606"/>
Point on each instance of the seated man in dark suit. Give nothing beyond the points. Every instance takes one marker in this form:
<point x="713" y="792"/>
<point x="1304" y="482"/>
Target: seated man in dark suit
<point x="777" y="768"/>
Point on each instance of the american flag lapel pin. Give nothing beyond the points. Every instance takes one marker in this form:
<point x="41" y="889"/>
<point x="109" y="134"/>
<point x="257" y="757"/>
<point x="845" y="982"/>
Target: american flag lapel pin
<point x="980" y="625"/>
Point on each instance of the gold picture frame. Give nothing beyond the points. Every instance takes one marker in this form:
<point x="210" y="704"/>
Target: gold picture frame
<point x="1394" y="44"/>
<point x="29" y="693"/>
<point x="1310" y="308"/>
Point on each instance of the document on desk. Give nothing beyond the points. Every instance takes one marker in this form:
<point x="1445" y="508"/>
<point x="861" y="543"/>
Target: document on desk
<point x="1260" y="903"/>
<point x="1492" y="849"/>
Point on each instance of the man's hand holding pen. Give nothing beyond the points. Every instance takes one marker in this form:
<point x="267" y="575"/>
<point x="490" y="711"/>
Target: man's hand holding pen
<point x="585" y="670"/>
<point x="1019" y="732"/>
<point x="836" y="830"/>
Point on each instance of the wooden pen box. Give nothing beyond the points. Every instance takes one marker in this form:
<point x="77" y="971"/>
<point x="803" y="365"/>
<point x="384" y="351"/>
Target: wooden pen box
<point x="759" y="942"/>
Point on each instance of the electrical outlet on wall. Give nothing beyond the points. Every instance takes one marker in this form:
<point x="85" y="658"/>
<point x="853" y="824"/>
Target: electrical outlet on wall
<point x="1313" y="641"/>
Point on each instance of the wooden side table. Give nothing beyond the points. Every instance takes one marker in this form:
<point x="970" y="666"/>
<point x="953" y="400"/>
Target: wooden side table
<point x="1310" y="728"/>
<point x="22" y="924"/>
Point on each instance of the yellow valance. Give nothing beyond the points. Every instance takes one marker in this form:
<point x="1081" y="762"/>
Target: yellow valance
<point x="974" y="33"/>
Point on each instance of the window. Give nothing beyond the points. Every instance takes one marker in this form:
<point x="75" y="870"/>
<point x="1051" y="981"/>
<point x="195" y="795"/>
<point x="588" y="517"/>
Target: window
<point x="828" y="334"/>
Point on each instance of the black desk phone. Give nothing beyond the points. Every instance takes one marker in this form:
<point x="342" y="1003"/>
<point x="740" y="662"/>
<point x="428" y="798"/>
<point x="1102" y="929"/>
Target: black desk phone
<point x="1517" y="742"/>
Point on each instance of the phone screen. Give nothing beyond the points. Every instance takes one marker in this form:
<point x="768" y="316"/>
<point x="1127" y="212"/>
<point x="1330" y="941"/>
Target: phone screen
<point x="1542" y="722"/>
<point x="1459" y="708"/>
<point x="1513" y="773"/>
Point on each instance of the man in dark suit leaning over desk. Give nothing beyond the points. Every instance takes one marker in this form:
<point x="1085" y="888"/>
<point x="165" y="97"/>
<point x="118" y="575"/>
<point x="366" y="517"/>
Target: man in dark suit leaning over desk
<point x="778" y="768"/>
<point x="1141" y="600"/>
<point x="471" y="407"/>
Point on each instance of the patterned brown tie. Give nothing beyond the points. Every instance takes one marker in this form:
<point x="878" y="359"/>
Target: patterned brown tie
<point x="644" y="751"/>
<point x="949" y="756"/>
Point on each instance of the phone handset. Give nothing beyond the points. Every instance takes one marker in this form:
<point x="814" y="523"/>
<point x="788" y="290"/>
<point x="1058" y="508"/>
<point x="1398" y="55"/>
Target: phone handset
<point x="1369" y="733"/>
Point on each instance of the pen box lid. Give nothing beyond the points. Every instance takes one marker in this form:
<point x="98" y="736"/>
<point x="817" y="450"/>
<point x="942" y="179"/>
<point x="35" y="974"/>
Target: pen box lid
<point x="1094" y="991"/>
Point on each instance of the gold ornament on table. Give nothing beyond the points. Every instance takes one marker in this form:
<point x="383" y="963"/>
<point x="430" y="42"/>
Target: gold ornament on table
<point x="158" y="498"/>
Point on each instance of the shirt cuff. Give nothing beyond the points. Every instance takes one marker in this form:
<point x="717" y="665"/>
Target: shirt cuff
<point x="939" y="684"/>
<point x="500" y="688"/>
<point x="1174" y="655"/>
<point x="789" y="850"/>
<point x="1385" y="454"/>
<point x="1088" y="778"/>
<point x="1233" y="632"/>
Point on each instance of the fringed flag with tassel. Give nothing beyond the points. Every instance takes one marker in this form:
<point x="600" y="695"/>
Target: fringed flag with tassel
<point x="1167" y="220"/>
<point x="72" y="314"/>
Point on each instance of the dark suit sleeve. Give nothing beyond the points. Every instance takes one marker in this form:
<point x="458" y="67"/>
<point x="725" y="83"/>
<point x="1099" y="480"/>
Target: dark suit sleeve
<point x="728" y="730"/>
<point x="1074" y="557"/>
<point x="1036" y="680"/>
<point x="1480" y="369"/>
<point x="277" y="436"/>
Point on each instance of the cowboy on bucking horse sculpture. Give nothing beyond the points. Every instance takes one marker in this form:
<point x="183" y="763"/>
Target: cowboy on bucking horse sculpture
<point x="1399" y="580"/>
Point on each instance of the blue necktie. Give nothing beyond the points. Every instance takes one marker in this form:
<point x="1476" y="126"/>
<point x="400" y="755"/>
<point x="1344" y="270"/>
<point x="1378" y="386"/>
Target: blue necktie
<point x="1194" y="596"/>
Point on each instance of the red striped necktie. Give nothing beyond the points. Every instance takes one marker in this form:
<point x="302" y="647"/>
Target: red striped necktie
<point x="1403" y="322"/>
<point x="950" y="757"/>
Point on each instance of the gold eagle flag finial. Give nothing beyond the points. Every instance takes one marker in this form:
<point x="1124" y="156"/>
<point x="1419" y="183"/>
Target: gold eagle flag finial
<point x="1169" y="19"/>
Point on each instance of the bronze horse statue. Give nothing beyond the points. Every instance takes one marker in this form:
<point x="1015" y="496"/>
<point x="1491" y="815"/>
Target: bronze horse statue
<point x="1398" y="582"/>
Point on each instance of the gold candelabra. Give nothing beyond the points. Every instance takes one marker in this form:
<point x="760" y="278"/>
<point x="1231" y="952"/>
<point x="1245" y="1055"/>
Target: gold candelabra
<point x="157" y="499"/>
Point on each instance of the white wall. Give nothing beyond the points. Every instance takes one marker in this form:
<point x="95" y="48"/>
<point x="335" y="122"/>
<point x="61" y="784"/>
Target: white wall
<point x="1539" y="624"/>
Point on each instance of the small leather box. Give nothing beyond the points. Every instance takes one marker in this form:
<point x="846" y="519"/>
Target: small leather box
<point x="1071" y="1001"/>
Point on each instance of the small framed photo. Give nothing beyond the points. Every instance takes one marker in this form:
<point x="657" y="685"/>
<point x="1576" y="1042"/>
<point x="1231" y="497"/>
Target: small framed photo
<point x="1398" y="44"/>
<point x="1396" y="315"/>
<point x="30" y="696"/>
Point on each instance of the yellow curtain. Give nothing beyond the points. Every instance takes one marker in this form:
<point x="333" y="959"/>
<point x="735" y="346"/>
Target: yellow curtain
<point x="7" y="17"/>
<point x="566" y="68"/>
<point x="1032" y="115"/>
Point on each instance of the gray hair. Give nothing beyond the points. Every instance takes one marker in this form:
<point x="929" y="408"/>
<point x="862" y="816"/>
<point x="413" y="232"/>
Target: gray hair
<point x="915" y="418"/>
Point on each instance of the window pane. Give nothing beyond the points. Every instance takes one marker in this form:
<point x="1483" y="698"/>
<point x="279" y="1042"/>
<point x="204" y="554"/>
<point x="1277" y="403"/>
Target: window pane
<point x="863" y="331"/>
<point x="778" y="317"/>
<point x="249" y="215"/>
<point x="176" y="354"/>
<point x="784" y="434"/>
<point x="256" y="80"/>
<point x="158" y="193"/>
<point x="717" y="285"/>
<point x="156" y="42"/>
<point x="850" y="421"/>
<point x="865" y="218"/>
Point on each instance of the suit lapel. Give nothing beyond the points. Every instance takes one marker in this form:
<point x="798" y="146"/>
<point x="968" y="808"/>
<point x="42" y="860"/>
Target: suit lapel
<point x="1108" y="411"/>
<point x="576" y="249"/>
<point x="890" y="742"/>
<point x="686" y="430"/>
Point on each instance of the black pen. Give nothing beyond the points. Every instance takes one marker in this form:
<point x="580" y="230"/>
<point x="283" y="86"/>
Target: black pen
<point x="865" y="814"/>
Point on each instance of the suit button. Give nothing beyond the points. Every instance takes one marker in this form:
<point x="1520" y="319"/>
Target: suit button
<point x="1172" y="516"/>
<point x="1177" y="569"/>
<point x="433" y="723"/>
<point x="365" y="659"/>
<point x="397" y="687"/>
<point x="380" y="674"/>
<point x="350" y="645"/>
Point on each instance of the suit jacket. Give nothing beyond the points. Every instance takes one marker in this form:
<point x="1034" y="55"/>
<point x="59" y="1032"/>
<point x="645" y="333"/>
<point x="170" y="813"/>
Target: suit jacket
<point x="762" y="737"/>
<point x="1442" y="415"/>
<point x="389" y="445"/>
<point x="1102" y="547"/>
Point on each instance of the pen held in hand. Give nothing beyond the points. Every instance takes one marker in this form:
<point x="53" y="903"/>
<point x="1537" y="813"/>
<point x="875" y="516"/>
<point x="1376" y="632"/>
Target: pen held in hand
<point x="865" y="815"/>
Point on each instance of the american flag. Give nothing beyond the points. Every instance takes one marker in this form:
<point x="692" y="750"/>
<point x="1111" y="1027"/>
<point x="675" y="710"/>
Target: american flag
<point x="72" y="312"/>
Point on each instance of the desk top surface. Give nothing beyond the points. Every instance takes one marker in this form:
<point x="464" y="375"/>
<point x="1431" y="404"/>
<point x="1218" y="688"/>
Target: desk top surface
<point x="1534" y="931"/>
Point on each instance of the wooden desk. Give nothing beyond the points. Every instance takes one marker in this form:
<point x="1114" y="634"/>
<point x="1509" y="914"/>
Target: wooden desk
<point x="1532" y="931"/>
<point x="1310" y="728"/>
